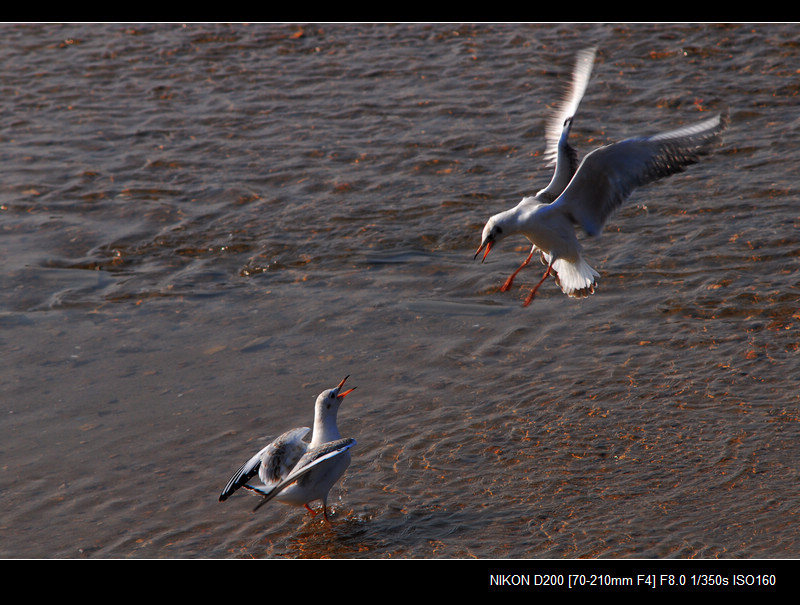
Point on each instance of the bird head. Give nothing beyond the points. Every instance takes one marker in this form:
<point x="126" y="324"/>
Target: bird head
<point x="493" y="232"/>
<point x="328" y="401"/>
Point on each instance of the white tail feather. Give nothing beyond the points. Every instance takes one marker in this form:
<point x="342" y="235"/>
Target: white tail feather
<point x="577" y="280"/>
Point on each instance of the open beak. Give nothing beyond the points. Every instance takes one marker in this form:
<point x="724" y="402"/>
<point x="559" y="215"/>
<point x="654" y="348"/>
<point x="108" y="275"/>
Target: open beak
<point x="488" y="244"/>
<point x="341" y="384"/>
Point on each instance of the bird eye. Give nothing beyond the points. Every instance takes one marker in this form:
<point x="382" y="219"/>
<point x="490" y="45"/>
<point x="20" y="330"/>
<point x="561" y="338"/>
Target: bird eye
<point x="498" y="230"/>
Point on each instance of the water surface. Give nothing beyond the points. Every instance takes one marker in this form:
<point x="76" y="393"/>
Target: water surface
<point x="204" y="226"/>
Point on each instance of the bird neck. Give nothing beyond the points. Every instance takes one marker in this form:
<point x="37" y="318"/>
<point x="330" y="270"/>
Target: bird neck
<point x="325" y="428"/>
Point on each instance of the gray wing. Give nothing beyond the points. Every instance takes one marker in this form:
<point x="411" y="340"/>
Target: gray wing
<point x="566" y="166"/>
<point x="558" y="151"/>
<point x="608" y="175"/>
<point x="282" y="455"/>
<point x="270" y="457"/>
<point x="569" y="104"/>
<point x="311" y="459"/>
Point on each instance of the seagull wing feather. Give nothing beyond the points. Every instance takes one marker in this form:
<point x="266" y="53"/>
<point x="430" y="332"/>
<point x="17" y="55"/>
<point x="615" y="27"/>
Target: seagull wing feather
<point x="244" y="473"/>
<point x="253" y="466"/>
<point x="608" y="175"/>
<point x="569" y="104"/>
<point x="282" y="455"/>
<point x="310" y="460"/>
<point x="558" y="151"/>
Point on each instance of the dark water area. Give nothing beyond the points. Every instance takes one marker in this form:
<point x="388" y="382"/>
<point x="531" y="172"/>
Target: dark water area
<point x="204" y="226"/>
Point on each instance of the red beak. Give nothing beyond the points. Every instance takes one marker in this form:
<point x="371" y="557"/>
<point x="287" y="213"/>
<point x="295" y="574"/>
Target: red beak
<point x="488" y="245"/>
<point x="341" y="384"/>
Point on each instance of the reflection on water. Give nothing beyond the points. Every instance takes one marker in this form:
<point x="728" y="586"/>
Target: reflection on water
<point x="204" y="225"/>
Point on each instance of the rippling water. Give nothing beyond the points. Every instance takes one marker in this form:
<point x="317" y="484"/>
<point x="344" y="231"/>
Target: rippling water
<point x="204" y="226"/>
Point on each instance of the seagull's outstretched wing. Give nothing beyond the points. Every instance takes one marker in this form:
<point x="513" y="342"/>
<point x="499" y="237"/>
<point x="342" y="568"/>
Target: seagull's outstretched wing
<point x="558" y="151"/>
<point x="282" y="455"/>
<point x="608" y="175"/>
<point x="569" y="104"/>
<point x="566" y="165"/>
<point x="270" y="463"/>
<point x="310" y="460"/>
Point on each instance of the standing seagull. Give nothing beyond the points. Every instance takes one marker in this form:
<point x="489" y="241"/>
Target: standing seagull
<point x="296" y="472"/>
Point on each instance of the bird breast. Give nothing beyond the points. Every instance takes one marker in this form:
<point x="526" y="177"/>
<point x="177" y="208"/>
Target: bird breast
<point x="551" y="232"/>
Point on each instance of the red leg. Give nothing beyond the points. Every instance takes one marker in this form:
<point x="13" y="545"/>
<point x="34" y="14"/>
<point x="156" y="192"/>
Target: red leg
<point x="536" y="287"/>
<point x="510" y="280"/>
<point x="311" y="510"/>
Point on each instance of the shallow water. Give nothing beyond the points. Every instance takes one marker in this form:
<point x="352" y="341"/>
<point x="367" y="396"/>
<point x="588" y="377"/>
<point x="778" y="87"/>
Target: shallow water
<point x="204" y="226"/>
